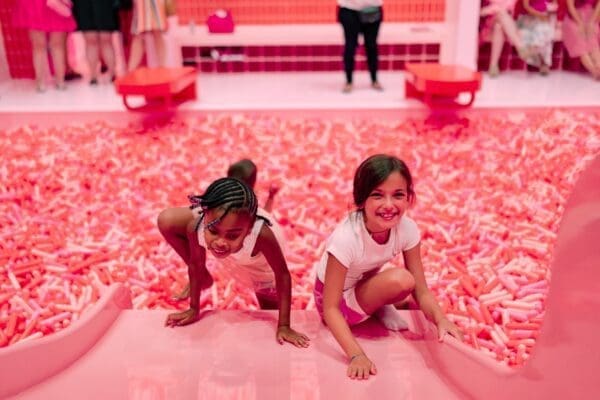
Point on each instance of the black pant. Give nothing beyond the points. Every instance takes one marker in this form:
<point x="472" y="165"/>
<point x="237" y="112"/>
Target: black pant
<point x="352" y="28"/>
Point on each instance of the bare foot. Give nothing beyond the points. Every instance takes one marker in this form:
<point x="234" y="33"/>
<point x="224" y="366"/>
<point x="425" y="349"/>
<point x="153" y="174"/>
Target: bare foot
<point x="205" y="282"/>
<point x="184" y="294"/>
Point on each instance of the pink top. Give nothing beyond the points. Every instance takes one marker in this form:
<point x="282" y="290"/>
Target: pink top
<point x="539" y="5"/>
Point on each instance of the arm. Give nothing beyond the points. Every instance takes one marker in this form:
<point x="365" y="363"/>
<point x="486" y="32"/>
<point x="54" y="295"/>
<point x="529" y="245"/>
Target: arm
<point x="426" y="300"/>
<point x="268" y="245"/>
<point x="272" y="192"/>
<point x="196" y="266"/>
<point x="335" y="275"/>
<point x="199" y="277"/>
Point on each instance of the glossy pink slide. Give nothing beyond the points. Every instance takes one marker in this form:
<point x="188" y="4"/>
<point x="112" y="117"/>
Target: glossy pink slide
<point x="116" y="353"/>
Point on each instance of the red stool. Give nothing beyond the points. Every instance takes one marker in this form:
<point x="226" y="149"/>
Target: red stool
<point x="440" y="85"/>
<point x="163" y="88"/>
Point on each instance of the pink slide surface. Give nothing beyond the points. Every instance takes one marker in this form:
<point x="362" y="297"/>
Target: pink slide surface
<point x="114" y="352"/>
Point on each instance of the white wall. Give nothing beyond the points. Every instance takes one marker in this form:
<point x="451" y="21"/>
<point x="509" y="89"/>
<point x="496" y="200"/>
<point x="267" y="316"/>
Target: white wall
<point x="461" y="47"/>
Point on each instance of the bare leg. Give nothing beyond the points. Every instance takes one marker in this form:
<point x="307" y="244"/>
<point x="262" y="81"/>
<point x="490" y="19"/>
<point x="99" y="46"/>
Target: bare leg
<point x="172" y="224"/>
<point x="108" y="52"/>
<point x="497" y="45"/>
<point x="159" y="44"/>
<point x="58" y="45"/>
<point x="509" y="26"/>
<point x="588" y="63"/>
<point x="266" y="303"/>
<point x="39" y="46"/>
<point x="595" y="56"/>
<point x="92" y="53"/>
<point x="377" y="295"/>
<point x="184" y="294"/>
<point x="136" y="51"/>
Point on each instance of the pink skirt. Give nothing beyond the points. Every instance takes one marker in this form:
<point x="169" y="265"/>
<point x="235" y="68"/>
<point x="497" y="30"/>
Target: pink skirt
<point x="575" y="42"/>
<point x="36" y="15"/>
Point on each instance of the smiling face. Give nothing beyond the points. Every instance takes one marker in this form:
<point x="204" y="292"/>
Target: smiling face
<point x="386" y="204"/>
<point x="226" y="235"/>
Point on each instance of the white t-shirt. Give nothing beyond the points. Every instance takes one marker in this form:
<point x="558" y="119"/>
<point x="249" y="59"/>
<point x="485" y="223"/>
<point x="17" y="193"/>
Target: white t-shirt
<point x="359" y="4"/>
<point x="254" y="272"/>
<point x="356" y="250"/>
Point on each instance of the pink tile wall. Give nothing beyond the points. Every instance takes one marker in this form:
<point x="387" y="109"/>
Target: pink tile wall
<point x="302" y="57"/>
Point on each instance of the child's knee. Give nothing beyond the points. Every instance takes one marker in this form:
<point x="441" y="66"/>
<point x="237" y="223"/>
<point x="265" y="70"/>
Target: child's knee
<point x="402" y="280"/>
<point x="166" y="219"/>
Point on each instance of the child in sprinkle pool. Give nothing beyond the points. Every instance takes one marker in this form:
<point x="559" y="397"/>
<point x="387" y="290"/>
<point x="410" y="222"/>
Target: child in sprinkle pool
<point x="350" y="286"/>
<point x="245" y="170"/>
<point x="226" y="221"/>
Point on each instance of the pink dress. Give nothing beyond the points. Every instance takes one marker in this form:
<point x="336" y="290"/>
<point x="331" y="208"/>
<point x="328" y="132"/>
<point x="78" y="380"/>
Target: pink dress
<point x="36" y="15"/>
<point x="576" y="43"/>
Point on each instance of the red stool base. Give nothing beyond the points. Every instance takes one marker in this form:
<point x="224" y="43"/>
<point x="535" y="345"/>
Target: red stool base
<point x="163" y="88"/>
<point x="439" y="85"/>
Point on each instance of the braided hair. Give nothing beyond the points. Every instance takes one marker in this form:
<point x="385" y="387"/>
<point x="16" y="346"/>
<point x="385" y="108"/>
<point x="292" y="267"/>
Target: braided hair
<point x="228" y="194"/>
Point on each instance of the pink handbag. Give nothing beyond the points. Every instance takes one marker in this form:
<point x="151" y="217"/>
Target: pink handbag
<point x="220" y="21"/>
<point x="61" y="7"/>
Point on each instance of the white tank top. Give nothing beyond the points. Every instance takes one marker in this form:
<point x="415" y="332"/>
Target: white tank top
<point x="254" y="272"/>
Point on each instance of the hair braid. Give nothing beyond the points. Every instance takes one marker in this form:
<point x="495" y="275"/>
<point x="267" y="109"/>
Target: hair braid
<point x="228" y="194"/>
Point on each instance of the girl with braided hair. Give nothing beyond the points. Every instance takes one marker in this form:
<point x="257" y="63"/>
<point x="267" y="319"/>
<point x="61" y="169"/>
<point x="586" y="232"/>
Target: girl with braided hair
<point x="227" y="222"/>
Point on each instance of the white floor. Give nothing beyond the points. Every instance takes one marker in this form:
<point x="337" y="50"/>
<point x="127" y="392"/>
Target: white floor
<point x="310" y="91"/>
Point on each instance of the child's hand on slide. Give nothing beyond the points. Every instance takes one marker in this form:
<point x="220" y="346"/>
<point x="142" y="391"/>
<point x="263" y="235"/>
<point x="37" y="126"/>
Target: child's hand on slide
<point x="287" y="334"/>
<point x="361" y="367"/>
<point x="182" y="318"/>
<point x="446" y="327"/>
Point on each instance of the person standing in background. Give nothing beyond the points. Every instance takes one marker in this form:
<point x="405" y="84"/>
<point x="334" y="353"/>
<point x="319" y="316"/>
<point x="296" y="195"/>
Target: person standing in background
<point x="98" y="19"/>
<point x="356" y="17"/>
<point x="48" y="28"/>
<point x="497" y="24"/>
<point x="536" y="22"/>
<point x="149" y="19"/>
<point x="581" y="36"/>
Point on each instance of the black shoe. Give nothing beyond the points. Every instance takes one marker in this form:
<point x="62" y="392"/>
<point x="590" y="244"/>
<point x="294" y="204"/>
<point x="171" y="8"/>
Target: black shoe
<point x="71" y="76"/>
<point x="93" y="81"/>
